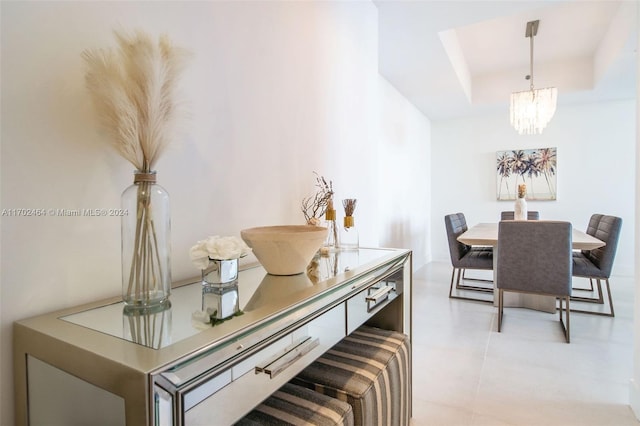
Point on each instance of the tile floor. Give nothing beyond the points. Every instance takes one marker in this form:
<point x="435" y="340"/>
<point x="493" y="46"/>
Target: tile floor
<point x="466" y="373"/>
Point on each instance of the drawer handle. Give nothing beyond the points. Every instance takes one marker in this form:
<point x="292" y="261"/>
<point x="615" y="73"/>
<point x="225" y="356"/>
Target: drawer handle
<point x="278" y="363"/>
<point x="382" y="293"/>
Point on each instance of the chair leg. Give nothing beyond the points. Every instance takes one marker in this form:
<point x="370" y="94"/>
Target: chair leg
<point x="472" y="287"/>
<point x="600" y="295"/>
<point x="474" y="279"/>
<point x="568" y="320"/>
<point x="610" y="298"/>
<point x="565" y="327"/>
<point x="611" y="312"/>
<point x="599" y="300"/>
<point x="453" y="273"/>
<point x="500" y="310"/>
<point x="585" y="289"/>
<point x="462" y="287"/>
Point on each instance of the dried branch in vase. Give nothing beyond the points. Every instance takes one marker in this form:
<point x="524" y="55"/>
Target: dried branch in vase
<point x="349" y="205"/>
<point x="315" y="207"/>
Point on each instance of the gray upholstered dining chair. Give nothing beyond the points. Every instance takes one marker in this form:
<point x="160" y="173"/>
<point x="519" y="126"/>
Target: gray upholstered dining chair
<point x="597" y="264"/>
<point x="535" y="257"/>
<point x="510" y="215"/>
<point x="466" y="257"/>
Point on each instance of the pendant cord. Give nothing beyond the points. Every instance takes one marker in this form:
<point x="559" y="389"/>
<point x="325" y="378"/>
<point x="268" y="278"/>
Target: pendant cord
<point x="531" y="61"/>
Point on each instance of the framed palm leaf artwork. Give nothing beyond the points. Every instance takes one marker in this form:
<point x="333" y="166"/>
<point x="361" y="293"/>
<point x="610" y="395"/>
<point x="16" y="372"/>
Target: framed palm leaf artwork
<point x="536" y="168"/>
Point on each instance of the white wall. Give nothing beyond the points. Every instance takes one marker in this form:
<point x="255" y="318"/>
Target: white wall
<point x="634" y="385"/>
<point x="277" y="90"/>
<point x="596" y="170"/>
<point x="408" y="212"/>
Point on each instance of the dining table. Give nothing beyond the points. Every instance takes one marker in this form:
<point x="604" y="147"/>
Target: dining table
<point x="486" y="234"/>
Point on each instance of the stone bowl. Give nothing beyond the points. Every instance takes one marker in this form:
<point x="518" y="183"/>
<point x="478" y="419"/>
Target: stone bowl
<point x="286" y="249"/>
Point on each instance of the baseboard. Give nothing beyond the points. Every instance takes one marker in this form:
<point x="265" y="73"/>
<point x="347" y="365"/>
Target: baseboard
<point x="634" y="398"/>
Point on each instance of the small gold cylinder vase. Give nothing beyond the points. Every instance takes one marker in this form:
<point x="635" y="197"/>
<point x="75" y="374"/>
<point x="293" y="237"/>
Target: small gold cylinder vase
<point x="349" y="239"/>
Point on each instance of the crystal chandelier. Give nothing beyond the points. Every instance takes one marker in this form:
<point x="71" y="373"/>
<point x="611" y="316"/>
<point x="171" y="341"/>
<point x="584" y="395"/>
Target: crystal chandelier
<point x="532" y="109"/>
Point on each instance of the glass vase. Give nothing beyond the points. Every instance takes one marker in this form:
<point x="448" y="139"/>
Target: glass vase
<point x="146" y="245"/>
<point x="349" y="239"/>
<point x="332" y="235"/>
<point x="332" y="231"/>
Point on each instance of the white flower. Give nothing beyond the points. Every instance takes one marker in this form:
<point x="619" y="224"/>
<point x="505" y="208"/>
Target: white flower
<point x="219" y="248"/>
<point x="199" y="255"/>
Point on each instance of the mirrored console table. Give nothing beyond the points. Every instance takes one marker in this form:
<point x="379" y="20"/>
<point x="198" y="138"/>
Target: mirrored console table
<point x="93" y="364"/>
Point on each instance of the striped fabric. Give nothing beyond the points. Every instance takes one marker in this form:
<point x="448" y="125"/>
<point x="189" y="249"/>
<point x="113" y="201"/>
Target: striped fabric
<point x="295" y="405"/>
<point x="369" y="369"/>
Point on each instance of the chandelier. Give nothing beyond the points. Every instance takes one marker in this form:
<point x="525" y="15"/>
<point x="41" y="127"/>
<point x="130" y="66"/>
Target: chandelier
<point x="532" y="109"/>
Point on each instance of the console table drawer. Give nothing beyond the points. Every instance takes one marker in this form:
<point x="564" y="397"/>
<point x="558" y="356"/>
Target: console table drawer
<point x="248" y="365"/>
<point x="270" y="369"/>
<point x="368" y="302"/>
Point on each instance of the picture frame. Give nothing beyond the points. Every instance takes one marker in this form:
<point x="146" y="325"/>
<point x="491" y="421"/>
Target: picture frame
<point x="536" y="168"/>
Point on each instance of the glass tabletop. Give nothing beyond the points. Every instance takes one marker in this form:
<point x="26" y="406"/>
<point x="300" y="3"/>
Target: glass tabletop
<point x="256" y="295"/>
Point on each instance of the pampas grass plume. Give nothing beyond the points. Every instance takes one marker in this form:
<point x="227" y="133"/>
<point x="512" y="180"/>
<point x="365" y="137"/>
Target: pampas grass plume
<point x="134" y="90"/>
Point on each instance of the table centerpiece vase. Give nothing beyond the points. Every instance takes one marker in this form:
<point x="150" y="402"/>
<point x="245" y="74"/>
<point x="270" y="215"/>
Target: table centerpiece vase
<point x="349" y="239"/>
<point x="520" y="208"/>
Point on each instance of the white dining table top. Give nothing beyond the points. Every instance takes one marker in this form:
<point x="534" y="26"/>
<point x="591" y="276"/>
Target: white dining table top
<point x="486" y="234"/>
